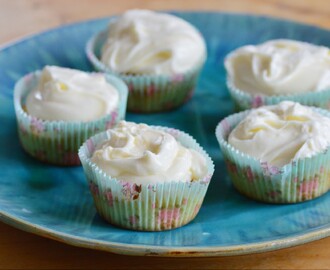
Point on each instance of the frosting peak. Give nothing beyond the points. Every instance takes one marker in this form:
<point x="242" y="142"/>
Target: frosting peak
<point x="71" y="95"/>
<point x="146" y="42"/>
<point x="281" y="133"/>
<point x="142" y="154"/>
<point x="280" y="67"/>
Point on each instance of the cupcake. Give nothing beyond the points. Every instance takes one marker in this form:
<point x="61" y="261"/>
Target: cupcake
<point x="278" y="153"/>
<point x="145" y="177"/>
<point x="278" y="70"/>
<point x="159" y="56"/>
<point x="57" y="109"/>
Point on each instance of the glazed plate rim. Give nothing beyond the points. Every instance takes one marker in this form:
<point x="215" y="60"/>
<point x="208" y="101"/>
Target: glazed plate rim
<point x="157" y="250"/>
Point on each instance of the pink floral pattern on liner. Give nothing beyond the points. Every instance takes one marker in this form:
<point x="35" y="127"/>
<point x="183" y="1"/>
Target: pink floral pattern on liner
<point x="270" y="170"/>
<point x="94" y="189"/>
<point x="109" y="197"/>
<point x="257" y="102"/>
<point x="151" y="90"/>
<point x="308" y="187"/>
<point x="249" y="174"/>
<point x="112" y="121"/>
<point x="231" y="167"/>
<point x="131" y="191"/>
<point x="152" y="188"/>
<point x="133" y="220"/>
<point x="167" y="216"/>
<point x="206" y="180"/>
<point x="37" y="126"/>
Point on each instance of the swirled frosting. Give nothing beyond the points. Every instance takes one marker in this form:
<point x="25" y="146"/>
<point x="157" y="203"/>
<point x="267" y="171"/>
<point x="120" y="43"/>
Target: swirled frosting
<point x="279" y="67"/>
<point x="71" y="95"/>
<point x="281" y="133"/>
<point x="141" y="154"/>
<point x="146" y="42"/>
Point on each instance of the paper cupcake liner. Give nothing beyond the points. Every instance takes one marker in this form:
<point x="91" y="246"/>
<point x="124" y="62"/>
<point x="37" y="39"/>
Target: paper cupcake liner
<point x="300" y="180"/>
<point x="145" y="207"/>
<point x="57" y="142"/>
<point x="148" y="93"/>
<point x="243" y="100"/>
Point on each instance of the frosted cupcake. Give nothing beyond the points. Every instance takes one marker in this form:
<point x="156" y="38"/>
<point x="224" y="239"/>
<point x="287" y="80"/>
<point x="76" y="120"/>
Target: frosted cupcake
<point x="279" y="70"/>
<point x="57" y="109"/>
<point x="278" y="153"/>
<point x="158" y="55"/>
<point x="146" y="178"/>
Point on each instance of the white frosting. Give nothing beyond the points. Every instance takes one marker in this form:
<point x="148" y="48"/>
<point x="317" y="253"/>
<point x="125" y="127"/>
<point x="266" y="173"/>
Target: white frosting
<point x="146" y="42"/>
<point x="71" y="95"/>
<point x="142" y="154"/>
<point x="279" y="67"/>
<point x="281" y="133"/>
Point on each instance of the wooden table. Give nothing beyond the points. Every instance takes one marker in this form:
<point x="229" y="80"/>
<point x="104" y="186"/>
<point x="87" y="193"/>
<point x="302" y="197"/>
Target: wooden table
<point x="23" y="250"/>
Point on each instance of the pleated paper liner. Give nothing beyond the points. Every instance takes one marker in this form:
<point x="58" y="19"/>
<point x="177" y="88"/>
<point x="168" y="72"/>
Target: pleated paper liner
<point x="300" y="180"/>
<point x="145" y="207"/>
<point x="148" y="93"/>
<point x="57" y="142"/>
<point x="243" y="100"/>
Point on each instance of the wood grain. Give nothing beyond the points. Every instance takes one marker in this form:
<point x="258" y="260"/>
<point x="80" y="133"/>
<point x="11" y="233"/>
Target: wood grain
<point x="21" y="17"/>
<point x="21" y="250"/>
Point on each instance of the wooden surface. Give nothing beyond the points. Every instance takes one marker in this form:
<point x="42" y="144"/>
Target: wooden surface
<point x="21" y="250"/>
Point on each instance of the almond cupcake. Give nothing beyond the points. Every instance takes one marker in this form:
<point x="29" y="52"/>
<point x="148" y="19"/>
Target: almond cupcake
<point x="279" y="70"/>
<point x="278" y="153"/>
<point x="146" y="178"/>
<point x="57" y="109"/>
<point x="159" y="56"/>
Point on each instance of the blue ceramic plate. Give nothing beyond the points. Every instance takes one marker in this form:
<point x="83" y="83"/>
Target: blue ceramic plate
<point x="55" y="202"/>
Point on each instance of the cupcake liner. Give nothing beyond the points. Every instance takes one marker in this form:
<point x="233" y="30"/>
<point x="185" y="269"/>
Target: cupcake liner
<point x="243" y="100"/>
<point x="300" y="180"/>
<point x="148" y="93"/>
<point x="57" y="142"/>
<point x="145" y="207"/>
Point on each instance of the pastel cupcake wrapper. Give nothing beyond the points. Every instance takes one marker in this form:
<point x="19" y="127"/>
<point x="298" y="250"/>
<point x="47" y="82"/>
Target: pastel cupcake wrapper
<point x="148" y="93"/>
<point x="145" y="207"/>
<point x="57" y="142"/>
<point x="244" y="100"/>
<point x="300" y="180"/>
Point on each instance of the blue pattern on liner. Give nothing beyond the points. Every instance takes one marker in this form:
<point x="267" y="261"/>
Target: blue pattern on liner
<point x="54" y="201"/>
